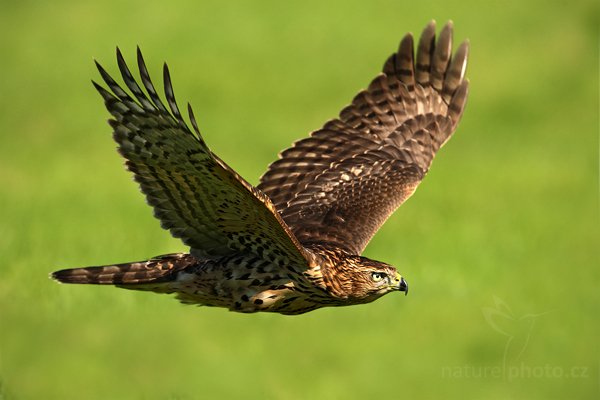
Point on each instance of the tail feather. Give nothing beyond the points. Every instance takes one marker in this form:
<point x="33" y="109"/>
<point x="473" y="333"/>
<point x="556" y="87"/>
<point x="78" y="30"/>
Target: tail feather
<point x="158" y="269"/>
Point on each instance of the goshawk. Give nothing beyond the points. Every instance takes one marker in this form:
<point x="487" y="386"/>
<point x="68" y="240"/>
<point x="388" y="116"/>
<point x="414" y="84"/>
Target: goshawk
<point x="292" y="244"/>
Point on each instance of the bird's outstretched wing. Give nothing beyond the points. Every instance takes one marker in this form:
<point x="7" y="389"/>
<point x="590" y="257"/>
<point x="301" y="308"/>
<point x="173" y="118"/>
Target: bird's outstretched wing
<point x="339" y="185"/>
<point x="194" y="194"/>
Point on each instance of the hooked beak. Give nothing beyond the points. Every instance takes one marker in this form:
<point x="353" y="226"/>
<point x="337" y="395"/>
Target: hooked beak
<point x="402" y="285"/>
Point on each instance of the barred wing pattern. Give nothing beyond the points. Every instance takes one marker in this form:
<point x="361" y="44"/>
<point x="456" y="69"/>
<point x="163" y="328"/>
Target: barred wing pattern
<point x="194" y="194"/>
<point x="339" y="185"/>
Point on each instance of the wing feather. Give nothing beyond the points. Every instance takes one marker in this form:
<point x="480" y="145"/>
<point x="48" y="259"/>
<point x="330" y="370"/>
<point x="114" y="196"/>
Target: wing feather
<point x="340" y="184"/>
<point x="194" y="194"/>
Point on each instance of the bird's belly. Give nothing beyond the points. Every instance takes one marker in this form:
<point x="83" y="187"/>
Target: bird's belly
<point x="248" y="299"/>
<point x="246" y="293"/>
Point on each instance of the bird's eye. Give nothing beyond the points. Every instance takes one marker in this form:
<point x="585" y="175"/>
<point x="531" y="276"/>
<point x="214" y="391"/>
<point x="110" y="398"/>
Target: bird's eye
<point x="377" y="276"/>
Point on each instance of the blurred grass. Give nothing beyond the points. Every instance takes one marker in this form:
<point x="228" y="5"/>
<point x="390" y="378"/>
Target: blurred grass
<point x="509" y="211"/>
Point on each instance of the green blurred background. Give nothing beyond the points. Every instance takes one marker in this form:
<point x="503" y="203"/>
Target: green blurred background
<point x="499" y="244"/>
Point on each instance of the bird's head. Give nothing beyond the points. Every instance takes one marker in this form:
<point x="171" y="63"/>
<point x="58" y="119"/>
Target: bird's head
<point x="362" y="280"/>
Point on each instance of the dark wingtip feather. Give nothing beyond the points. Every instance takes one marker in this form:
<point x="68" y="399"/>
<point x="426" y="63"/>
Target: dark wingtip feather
<point x="458" y="102"/>
<point x="121" y="61"/>
<point x="407" y="42"/>
<point x="131" y="82"/>
<point x="405" y="63"/>
<point x="101" y="69"/>
<point x="106" y="95"/>
<point x="148" y="82"/>
<point x="456" y="71"/>
<point x="193" y="119"/>
<point x="114" y="86"/>
<point x="441" y="56"/>
<point x="425" y="53"/>
<point x="170" y="94"/>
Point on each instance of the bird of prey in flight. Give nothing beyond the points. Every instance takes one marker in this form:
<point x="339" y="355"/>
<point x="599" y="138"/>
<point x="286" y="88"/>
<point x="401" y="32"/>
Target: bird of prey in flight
<point x="293" y="243"/>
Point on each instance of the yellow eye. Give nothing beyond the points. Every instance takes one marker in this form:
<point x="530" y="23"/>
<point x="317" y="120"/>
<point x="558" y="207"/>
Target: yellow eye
<point x="377" y="276"/>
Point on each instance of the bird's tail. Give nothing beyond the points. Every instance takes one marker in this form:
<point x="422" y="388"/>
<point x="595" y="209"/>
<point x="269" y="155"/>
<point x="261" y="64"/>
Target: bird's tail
<point x="156" y="270"/>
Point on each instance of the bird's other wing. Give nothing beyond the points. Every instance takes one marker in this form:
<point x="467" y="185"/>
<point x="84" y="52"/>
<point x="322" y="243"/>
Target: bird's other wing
<point x="194" y="194"/>
<point x="339" y="185"/>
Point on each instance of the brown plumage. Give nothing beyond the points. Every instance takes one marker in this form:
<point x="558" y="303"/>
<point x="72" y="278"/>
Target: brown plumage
<point x="293" y="243"/>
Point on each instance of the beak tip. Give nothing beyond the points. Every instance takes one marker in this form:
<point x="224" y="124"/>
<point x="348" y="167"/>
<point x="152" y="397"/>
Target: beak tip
<point x="403" y="286"/>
